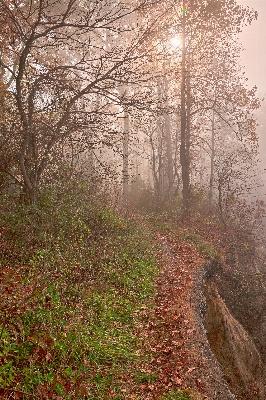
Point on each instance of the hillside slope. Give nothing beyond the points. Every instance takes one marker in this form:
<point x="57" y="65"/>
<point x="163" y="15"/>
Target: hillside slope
<point x="196" y="329"/>
<point x="97" y="306"/>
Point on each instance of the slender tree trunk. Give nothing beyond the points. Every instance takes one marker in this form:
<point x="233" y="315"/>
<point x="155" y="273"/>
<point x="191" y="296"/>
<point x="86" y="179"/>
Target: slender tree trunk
<point x="188" y="103"/>
<point x="212" y="161"/>
<point x="168" y="142"/>
<point x="220" y="202"/>
<point x="125" y="143"/>
<point x="125" y="156"/>
<point x="33" y="195"/>
<point x="184" y="146"/>
<point x="160" y="189"/>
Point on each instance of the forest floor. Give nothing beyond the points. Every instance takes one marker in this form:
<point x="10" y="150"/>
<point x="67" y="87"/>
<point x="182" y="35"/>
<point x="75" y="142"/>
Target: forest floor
<point x="87" y="314"/>
<point x="174" y="332"/>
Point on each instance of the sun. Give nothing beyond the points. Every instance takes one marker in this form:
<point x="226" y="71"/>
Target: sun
<point x="176" y="41"/>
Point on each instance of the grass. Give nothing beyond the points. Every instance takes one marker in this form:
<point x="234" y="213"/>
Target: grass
<point x="202" y="246"/>
<point x="76" y="284"/>
<point x="187" y="232"/>
<point x="73" y="278"/>
<point x="178" y="395"/>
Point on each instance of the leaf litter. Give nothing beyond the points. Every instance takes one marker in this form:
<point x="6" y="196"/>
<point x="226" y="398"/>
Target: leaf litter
<point x="174" y="332"/>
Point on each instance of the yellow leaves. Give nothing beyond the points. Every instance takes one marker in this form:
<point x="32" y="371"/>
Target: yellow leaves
<point x="121" y="225"/>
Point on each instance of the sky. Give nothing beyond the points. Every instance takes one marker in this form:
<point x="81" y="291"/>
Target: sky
<point x="253" y="38"/>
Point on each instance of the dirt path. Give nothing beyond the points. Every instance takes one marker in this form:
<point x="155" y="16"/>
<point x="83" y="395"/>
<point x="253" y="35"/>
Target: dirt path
<point x="175" y="331"/>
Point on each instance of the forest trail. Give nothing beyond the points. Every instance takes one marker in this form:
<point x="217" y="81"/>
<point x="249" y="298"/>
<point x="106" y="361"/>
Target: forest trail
<point x="175" y="332"/>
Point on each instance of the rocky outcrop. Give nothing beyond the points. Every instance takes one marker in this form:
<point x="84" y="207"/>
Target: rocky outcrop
<point x="233" y="348"/>
<point x="221" y="364"/>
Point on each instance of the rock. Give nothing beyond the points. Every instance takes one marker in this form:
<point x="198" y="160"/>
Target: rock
<point x="233" y="348"/>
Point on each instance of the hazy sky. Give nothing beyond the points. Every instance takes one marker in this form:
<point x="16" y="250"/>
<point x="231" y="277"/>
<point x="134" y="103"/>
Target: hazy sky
<point x="253" y="38"/>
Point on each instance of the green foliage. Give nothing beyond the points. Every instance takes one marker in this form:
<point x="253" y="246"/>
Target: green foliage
<point x="188" y="231"/>
<point x="205" y="248"/>
<point x="73" y="277"/>
<point x="145" y="377"/>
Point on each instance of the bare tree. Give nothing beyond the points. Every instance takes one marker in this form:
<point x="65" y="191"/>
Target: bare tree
<point x="65" y="77"/>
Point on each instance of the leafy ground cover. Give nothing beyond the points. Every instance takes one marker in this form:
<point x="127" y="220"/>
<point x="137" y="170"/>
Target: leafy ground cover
<point x="77" y="283"/>
<point x="232" y="262"/>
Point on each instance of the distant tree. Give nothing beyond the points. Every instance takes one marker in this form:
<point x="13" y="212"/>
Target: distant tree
<point x="210" y="75"/>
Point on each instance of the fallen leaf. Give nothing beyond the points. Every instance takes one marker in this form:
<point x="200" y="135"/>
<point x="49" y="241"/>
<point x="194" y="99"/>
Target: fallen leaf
<point x="177" y="380"/>
<point x="48" y="357"/>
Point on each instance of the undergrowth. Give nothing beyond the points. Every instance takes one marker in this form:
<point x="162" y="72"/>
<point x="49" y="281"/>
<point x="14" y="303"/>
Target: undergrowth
<point x="73" y="277"/>
<point x="187" y="232"/>
<point x="76" y="281"/>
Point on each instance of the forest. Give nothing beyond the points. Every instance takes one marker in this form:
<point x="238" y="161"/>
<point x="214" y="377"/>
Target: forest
<point x="132" y="262"/>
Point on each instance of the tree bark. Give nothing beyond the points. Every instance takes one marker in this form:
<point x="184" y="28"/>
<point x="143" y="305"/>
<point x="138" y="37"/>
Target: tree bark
<point x="212" y="161"/>
<point x="125" y="156"/>
<point x="185" y="140"/>
<point x="168" y="142"/>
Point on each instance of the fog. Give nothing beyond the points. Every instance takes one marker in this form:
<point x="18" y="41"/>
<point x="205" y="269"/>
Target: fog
<point x="254" y="43"/>
<point x="253" y="60"/>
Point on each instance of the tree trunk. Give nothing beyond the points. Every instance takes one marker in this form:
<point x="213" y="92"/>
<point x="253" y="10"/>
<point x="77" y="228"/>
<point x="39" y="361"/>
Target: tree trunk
<point x="125" y="156"/>
<point x="185" y="140"/>
<point x="212" y="162"/>
<point x="168" y="142"/>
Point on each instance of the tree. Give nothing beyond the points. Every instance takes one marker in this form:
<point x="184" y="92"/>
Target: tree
<point x="210" y="76"/>
<point x="65" y="76"/>
<point x="71" y="68"/>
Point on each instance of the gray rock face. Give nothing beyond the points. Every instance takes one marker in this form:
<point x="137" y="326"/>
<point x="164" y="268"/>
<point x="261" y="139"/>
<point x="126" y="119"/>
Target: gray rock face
<point x="233" y="348"/>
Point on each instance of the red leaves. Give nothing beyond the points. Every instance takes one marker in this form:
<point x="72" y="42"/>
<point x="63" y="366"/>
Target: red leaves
<point x="111" y="394"/>
<point x="168" y="332"/>
<point x="48" y="340"/>
<point x="176" y="318"/>
<point x="46" y="393"/>
<point x="39" y="354"/>
<point x="11" y="394"/>
<point x="199" y="384"/>
<point x="83" y="391"/>
<point x="79" y="389"/>
<point x="177" y="380"/>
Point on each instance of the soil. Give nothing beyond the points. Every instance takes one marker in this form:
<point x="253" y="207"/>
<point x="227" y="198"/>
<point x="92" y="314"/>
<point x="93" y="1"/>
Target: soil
<point x="175" y="331"/>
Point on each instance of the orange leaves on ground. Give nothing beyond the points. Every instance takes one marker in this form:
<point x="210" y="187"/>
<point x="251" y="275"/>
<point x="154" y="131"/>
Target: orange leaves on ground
<point x="11" y="394"/>
<point x="111" y="394"/>
<point x="168" y="332"/>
